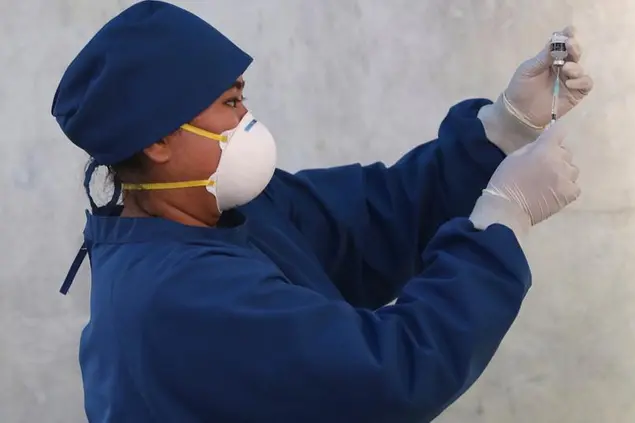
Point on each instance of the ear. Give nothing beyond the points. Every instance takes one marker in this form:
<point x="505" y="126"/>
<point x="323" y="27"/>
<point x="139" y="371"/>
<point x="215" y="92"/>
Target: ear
<point x="159" y="152"/>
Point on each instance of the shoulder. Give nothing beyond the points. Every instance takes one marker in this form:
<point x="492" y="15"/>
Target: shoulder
<point x="190" y="295"/>
<point x="313" y="194"/>
<point x="211" y="279"/>
<point x="173" y="278"/>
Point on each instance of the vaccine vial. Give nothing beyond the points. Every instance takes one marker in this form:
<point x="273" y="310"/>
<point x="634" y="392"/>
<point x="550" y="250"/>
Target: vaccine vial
<point x="558" y="48"/>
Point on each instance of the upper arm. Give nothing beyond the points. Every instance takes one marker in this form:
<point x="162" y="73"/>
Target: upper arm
<point x="369" y="224"/>
<point x="248" y="346"/>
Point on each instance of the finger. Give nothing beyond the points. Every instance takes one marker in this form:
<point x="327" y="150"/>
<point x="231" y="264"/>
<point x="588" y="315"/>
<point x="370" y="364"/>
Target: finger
<point x="555" y="134"/>
<point x="573" y="192"/>
<point x="572" y="70"/>
<point x="543" y="60"/>
<point x="540" y="63"/>
<point x="574" y="172"/>
<point x="569" y="31"/>
<point x="574" y="49"/>
<point x="567" y="155"/>
<point x="583" y="84"/>
<point x="568" y="192"/>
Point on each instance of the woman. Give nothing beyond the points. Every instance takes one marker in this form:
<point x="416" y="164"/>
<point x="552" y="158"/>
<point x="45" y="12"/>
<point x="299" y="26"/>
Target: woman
<point x="226" y="290"/>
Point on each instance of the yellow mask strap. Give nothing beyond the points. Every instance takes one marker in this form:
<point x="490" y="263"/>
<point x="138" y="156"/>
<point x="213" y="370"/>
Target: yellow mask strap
<point x="203" y="133"/>
<point x="176" y="185"/>
<point x="167" y="185"/>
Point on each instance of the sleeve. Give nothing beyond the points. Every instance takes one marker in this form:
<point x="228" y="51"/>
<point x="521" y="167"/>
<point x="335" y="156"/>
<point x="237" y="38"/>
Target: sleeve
<point x="369" y="224"/>
<point x="250" y="347"/>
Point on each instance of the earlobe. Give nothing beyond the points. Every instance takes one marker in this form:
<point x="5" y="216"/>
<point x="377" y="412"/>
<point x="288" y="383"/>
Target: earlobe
<point x="159" y="152"/>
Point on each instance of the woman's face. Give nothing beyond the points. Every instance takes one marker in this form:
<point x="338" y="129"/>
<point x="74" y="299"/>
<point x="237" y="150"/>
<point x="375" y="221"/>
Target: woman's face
<point x="184" y="156"/>
<point x="194" y="157"/>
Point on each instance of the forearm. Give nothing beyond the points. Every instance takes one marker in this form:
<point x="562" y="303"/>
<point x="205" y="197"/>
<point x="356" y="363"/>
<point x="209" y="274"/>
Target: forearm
<point x="404" y="362"/>
<point x="457" y="168"/>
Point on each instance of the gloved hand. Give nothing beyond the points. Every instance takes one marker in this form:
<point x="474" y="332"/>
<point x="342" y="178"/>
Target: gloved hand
<point x="530" y="185"/>
<point x="523" y="110"/>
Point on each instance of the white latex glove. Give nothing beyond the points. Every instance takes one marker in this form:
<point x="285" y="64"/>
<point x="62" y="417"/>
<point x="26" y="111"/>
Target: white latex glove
<point x="530" y="185"/>
<point x="523" y="110"/>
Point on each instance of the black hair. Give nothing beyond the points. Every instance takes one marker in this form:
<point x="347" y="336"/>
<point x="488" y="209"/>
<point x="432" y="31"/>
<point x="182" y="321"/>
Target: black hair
<point x="131" y="166"/>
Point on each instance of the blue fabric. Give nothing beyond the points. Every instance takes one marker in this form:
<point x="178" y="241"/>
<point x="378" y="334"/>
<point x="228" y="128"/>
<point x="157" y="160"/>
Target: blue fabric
<point x="352" y="221"/>
<point x="108" y="210"/>
<point x="275" y="315"/>
<point x="149" y="70"/>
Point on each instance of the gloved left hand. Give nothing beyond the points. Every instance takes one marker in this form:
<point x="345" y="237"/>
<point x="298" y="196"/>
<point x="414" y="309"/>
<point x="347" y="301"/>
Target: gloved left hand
<point x="523" y="110"/>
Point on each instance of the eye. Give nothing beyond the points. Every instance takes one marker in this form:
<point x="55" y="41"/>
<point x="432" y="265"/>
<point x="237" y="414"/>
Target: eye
<point x="233" y="102"/>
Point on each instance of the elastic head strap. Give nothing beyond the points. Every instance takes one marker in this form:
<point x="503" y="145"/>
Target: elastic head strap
<point x="168" y="185"/>
<point x="203" y="133"/>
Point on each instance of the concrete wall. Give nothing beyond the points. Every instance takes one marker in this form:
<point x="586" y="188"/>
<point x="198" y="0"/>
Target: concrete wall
<point x="340" y="81"/>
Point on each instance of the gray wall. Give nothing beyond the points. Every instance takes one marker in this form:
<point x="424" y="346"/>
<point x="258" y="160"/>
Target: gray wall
<point x="348" y="81"/>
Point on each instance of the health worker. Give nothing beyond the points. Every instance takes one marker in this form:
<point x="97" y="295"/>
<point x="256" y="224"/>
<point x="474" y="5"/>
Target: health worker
<point x="227" y="290"/>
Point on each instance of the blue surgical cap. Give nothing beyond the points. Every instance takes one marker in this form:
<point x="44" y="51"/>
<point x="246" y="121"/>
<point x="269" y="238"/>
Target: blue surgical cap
<point x="149" y="70"/>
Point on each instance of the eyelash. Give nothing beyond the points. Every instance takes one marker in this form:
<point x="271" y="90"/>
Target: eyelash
<point x="235" y="100"/>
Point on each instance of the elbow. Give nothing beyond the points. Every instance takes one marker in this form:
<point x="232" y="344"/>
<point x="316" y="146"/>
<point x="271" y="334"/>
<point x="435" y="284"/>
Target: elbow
<point x="414" y="380"/>
<point x="415" y="398"/>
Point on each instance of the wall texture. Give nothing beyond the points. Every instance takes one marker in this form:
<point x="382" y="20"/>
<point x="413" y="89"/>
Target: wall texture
<point x="340" y="81"/>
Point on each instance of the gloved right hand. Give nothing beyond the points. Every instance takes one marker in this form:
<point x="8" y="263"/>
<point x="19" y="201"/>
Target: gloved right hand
<point x="530" y="185"/>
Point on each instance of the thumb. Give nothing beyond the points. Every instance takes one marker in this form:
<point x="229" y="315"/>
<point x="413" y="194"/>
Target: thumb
<point x="554" y="134"/>
<point x="539" y="63"/>
<point x="570" y="31"/>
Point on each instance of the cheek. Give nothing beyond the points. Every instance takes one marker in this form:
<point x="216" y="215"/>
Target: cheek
<point x="199" y="161"/>
<point x="206" y="160"/>
<point x="220" y="118"/>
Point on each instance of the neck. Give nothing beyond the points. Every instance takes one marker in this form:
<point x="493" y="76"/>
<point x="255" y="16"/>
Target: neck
<point x="194" y="215"/>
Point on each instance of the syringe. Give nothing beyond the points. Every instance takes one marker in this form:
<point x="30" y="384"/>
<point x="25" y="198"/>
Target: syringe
<point x="556" y="95"/>
<point x="558" y="51"/>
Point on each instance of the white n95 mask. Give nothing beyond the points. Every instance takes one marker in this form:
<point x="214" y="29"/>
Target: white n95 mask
<point x="246" y="166"/>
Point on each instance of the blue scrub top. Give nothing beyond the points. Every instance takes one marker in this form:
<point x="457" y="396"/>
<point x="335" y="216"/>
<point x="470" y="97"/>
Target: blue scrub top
<point x="278" y="315"/>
